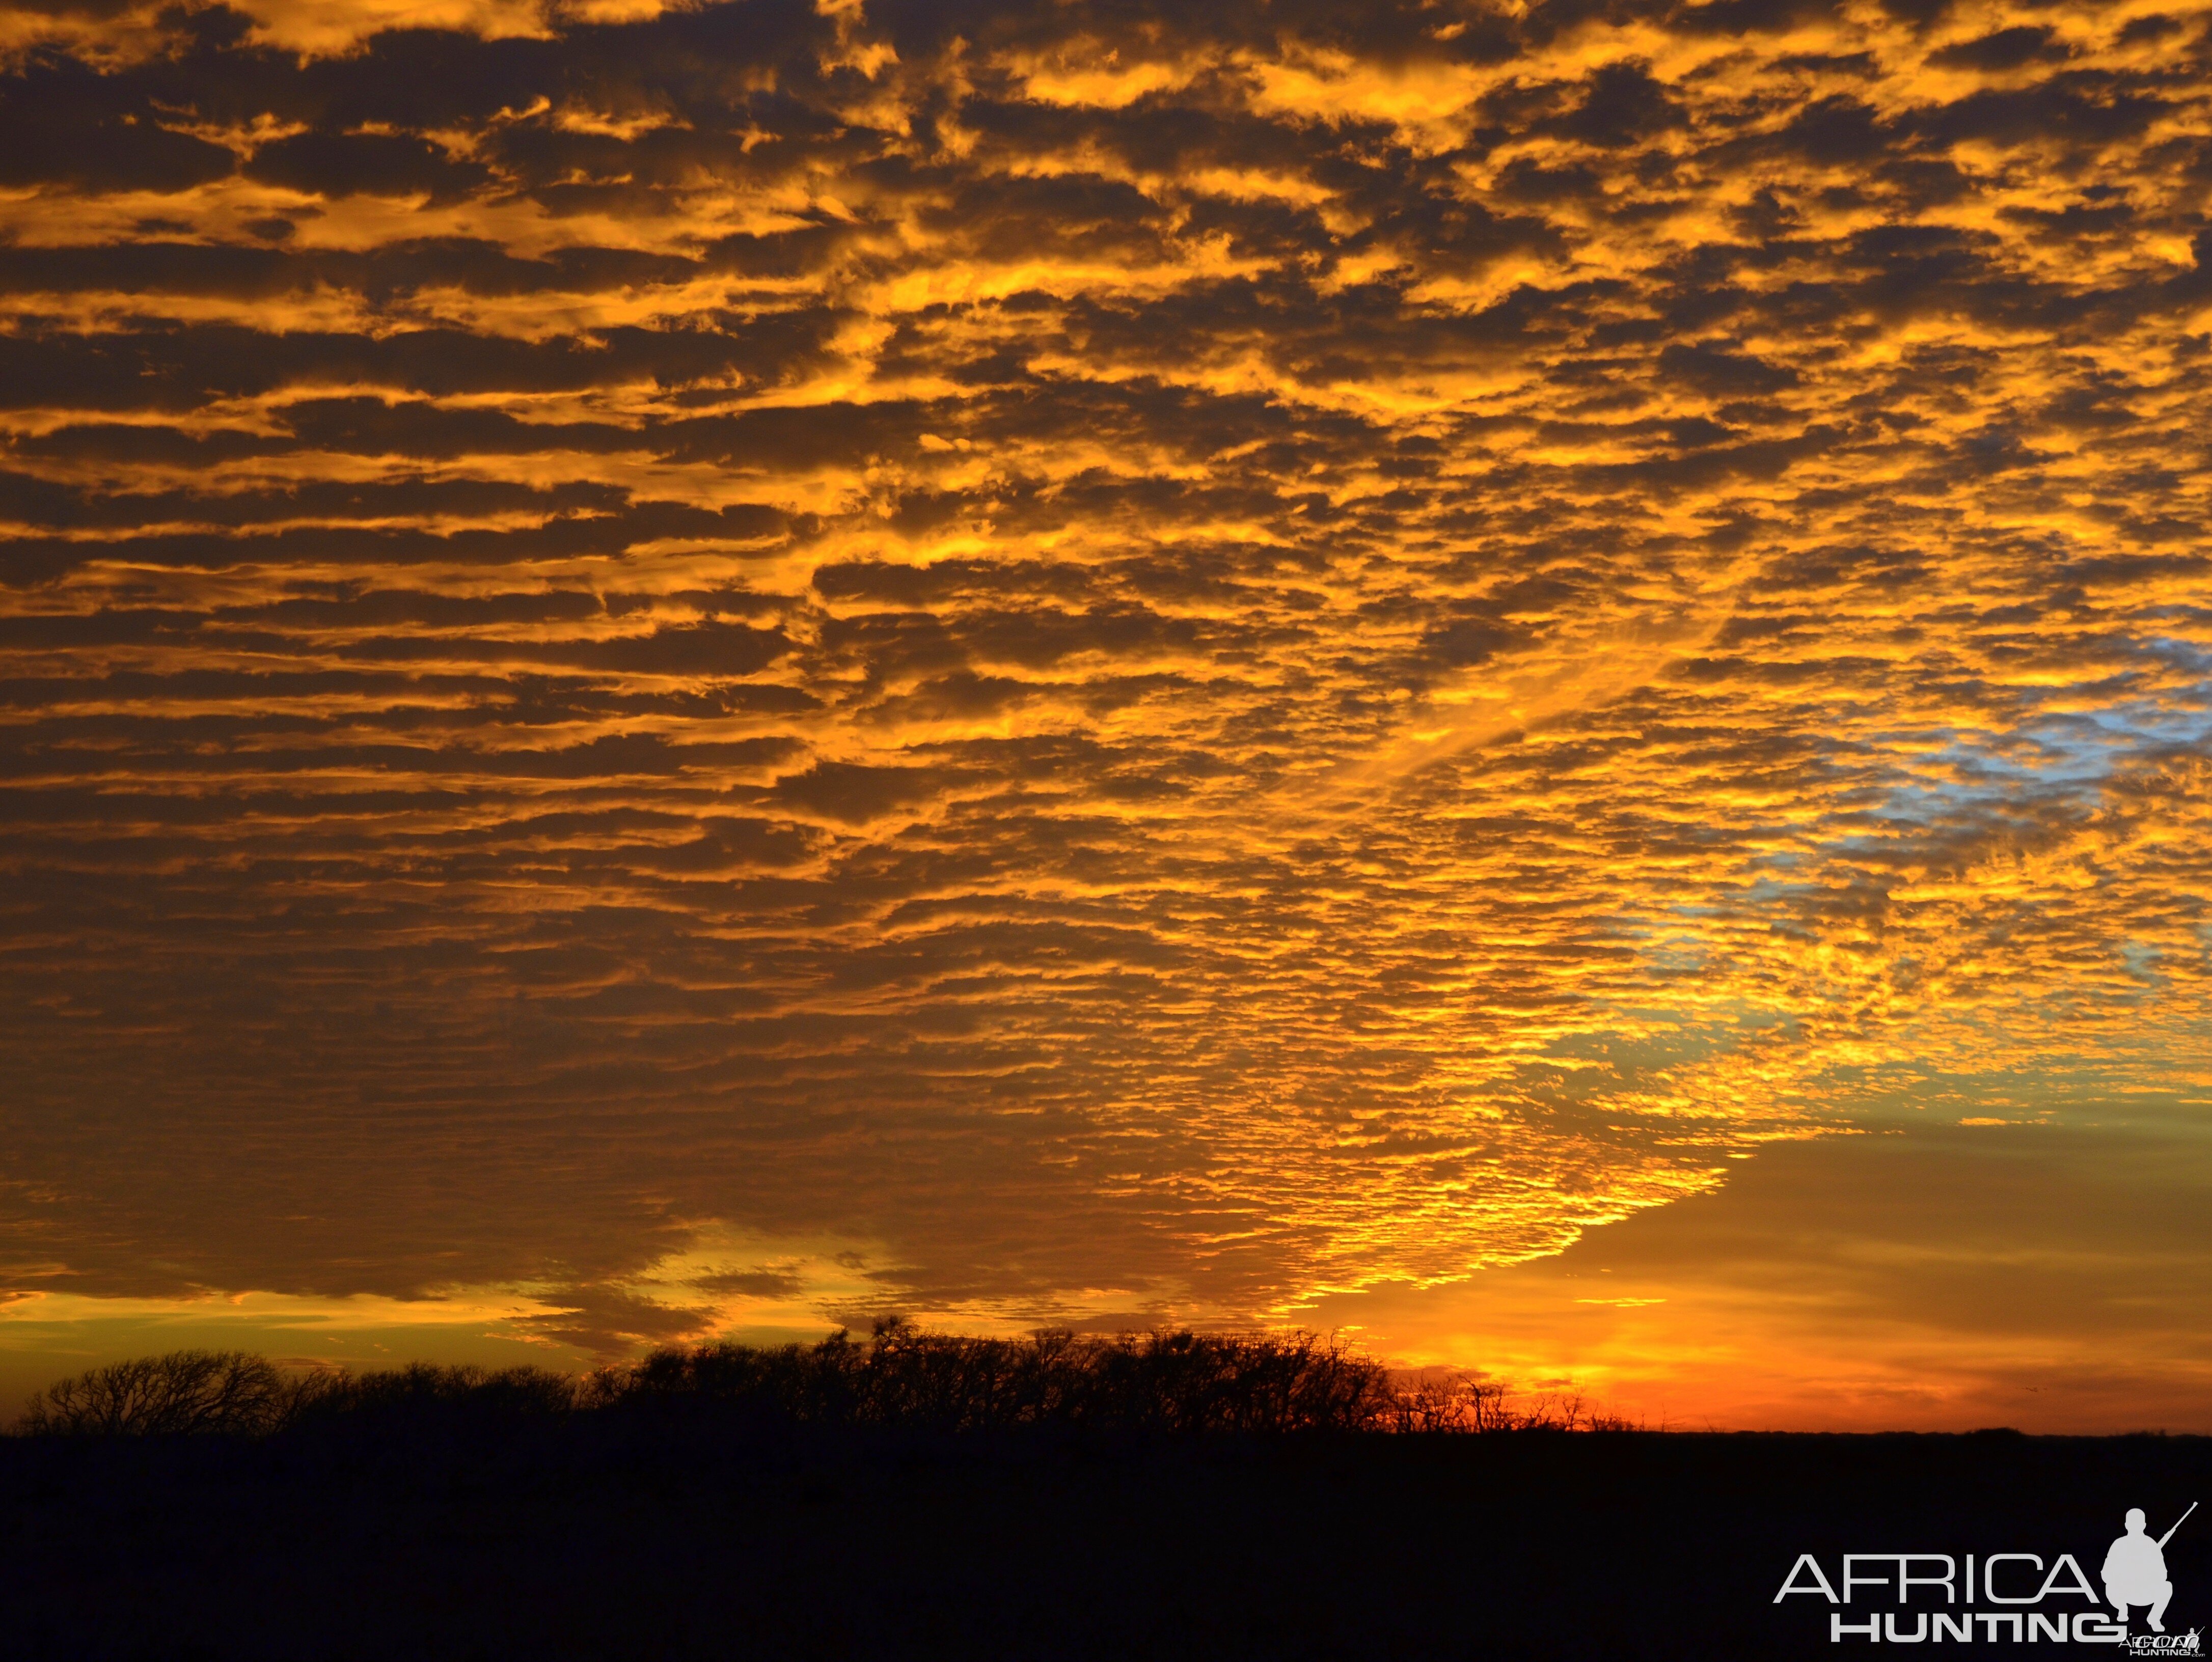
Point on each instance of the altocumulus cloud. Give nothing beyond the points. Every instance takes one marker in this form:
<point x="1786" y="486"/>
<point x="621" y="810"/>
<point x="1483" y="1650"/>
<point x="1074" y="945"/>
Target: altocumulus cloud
<point x="1159" y="659"/>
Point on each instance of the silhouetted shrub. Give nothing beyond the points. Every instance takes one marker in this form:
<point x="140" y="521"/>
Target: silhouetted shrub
<point x="1445" y="1400"/>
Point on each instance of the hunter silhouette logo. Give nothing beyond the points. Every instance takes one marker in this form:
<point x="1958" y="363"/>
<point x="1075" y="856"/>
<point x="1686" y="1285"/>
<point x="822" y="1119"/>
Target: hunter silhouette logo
<point x="2030" y="1593"/>
<point x="2135" y="1570"/>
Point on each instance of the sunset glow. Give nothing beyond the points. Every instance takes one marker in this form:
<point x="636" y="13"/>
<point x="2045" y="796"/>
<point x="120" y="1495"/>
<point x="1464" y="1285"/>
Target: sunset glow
<point x="1529" y="680"/>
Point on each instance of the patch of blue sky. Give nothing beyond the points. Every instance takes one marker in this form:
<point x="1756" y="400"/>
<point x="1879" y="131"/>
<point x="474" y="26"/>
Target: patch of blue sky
<point x="2060" y="742"/>
<point x="2067" y="741"/>
<point x="1641" y="1045"/>
<point x="1679" y="943"/>
<point x="1681" y="949"/>
<point x="1766" y="892"/>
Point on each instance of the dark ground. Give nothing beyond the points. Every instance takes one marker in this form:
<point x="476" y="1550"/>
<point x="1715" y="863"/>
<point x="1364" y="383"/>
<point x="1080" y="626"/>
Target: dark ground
<point x="674" y="1538"/>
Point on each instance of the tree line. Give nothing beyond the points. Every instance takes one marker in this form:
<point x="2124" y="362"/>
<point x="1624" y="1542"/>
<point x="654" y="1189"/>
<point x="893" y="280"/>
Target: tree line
<point x="1170" y="1382"/>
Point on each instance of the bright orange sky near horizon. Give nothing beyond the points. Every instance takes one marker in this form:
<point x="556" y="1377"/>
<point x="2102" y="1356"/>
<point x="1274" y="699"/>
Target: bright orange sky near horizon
<point x="1528" y="680"/>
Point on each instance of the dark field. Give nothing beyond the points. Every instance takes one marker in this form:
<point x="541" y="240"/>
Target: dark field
<point x="676" y="1523"/>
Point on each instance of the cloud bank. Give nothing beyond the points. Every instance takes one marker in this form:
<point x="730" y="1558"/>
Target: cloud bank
<point x="1127" y="661"/>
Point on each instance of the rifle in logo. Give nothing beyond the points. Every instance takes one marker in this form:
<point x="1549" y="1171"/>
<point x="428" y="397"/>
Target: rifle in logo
<point x="2135" y="1570"/>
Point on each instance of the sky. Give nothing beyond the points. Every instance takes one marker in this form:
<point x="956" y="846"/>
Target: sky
<point x="1526" y="680"/>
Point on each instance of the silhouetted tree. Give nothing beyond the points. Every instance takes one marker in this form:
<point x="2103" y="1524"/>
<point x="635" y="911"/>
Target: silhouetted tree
<point x="186" y="1390"/>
